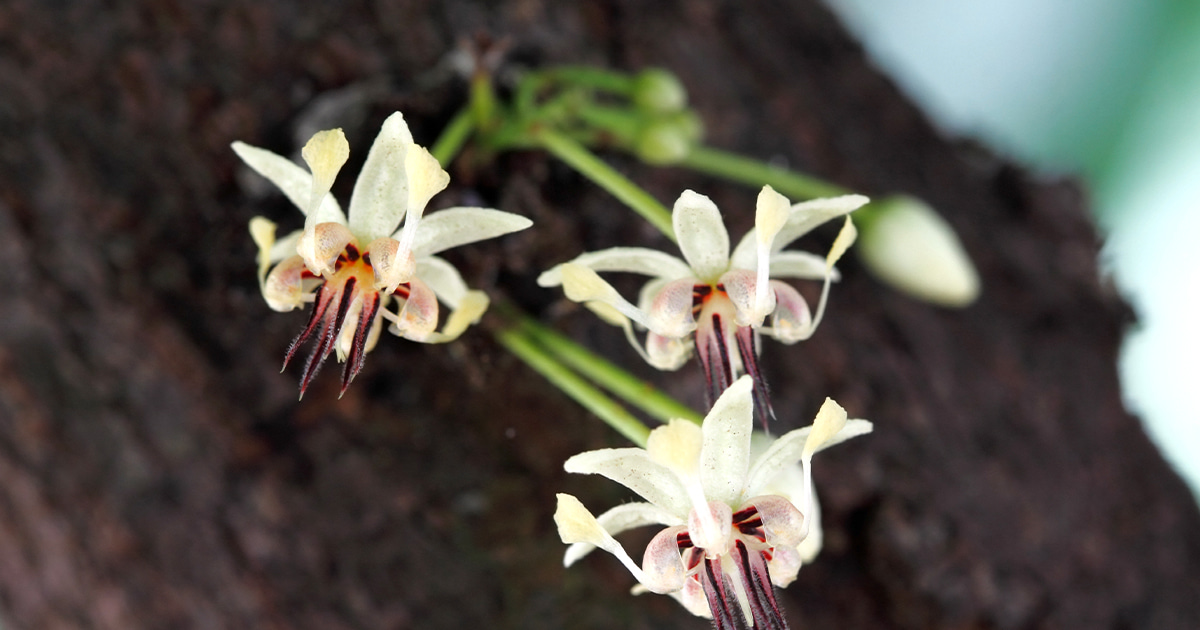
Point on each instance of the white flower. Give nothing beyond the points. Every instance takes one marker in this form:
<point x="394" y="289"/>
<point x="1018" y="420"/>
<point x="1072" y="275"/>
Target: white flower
<point x="729" y="534"/>
<point x="724" y="299"/>
<point x="353" y="265"/>
<point x="911" y="247"/>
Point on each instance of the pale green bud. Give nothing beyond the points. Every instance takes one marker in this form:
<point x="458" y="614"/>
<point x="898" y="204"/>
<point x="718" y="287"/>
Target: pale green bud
<point x="657" y="90"/>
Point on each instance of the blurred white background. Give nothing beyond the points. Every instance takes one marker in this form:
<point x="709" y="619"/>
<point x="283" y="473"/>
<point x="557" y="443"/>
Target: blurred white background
<point x="1110" y="90"/>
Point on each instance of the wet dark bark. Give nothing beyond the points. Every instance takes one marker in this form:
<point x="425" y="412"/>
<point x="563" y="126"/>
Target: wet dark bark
<point x="156" y="470"/>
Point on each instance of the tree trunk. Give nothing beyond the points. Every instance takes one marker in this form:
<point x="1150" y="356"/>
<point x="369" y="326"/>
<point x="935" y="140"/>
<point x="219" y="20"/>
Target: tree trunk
<point x="157" y="471"/>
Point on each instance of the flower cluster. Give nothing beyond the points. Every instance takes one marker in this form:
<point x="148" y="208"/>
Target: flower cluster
<point x="725" y="299"/>
<point x="738" y="508"/>
<point x="730" y="533"/>
<point x="352" y="265"/>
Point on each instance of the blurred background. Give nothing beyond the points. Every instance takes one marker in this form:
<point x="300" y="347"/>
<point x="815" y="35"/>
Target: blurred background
<point x="1109" y="90"/>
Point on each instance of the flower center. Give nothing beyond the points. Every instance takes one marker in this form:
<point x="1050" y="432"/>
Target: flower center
<point x="347" y="313"/>
<point x="725" y="349"/>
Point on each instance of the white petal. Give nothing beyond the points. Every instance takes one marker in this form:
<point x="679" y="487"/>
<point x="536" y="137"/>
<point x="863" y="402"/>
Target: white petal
<point x="724" y="460"/>
<point x="677" y="445"/>
<point x="426" y="177"/>
<point x="622" y="518"/>
<point x="290" y="178"/>
<point x="770" y="215"/>
<point x="789" y="449"/>
<point x="633" y="468"/>
<point x="262" y="231"/>
<point x="803" y="265"/>
<point x="577" y="525"/>
<point x="380" y="197"/>
<point x="844" y="240"/>
<point x="325" y="153"/>
<point x="584" y="285"/>
<point x="649" y="262"/>
<point x="702" y="236"/>
<point x="469" y="310"/>
<point x="801" y="220"/>
<point x="452" y="227"/>
<point x="443" y="278"/>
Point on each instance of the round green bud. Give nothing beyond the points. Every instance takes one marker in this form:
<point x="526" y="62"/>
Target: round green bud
<point x="657" y="90"/>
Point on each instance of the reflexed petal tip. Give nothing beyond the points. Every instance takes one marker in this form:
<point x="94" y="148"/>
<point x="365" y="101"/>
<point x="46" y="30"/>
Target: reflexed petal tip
<point x="770" y="214"/>
<point x="325" y="153"/>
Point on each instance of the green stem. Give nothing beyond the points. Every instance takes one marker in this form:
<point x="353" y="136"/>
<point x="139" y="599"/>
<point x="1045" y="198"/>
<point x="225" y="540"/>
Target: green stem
<point x="756" y="173"/>
<point x="632" y="389"/>
<point x="453" y="137"/>
<point x="591" y="398"/>
<point x="607" y="178"/>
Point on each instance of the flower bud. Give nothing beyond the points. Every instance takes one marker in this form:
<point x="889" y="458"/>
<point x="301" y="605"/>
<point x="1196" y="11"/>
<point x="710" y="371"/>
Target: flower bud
<point x="657" y="90"/>
<point x="669" y="139"/>
<point x="906" y="244"/>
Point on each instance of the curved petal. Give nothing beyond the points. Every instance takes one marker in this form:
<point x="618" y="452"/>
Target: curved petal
<point x="633" y="468"/>
<point x="725" y="457"/>
<point x="702" y="236"/>
<point x="619" y="519"/>
<point x="649" y="262"/>
<point x="671" y="313"/>
<point x="667" y="353"/>
<point x="425" y="179"/>
<point x="750" y="308"/>
<point x="291" y="179"/>
<point x="283" y="288"/>
<point x="802" y="218"/>
<point x="783" y="524"/>
<point x="380" y="197"/>
<point x="792" y="320"/>
<point x="418" y="317"/>
<point x="321" y="244"/>
<point x="662" y="564"/>
<point x="452" y="227"/>
<point x="391" y="266"/>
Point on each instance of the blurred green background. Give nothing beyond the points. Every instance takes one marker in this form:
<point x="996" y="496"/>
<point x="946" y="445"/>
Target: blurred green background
<point x="1108" y="90"/>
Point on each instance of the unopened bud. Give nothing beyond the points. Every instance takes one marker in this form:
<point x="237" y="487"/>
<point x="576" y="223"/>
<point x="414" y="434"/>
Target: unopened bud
<point x="657" y="90"/>
<point x="906" y="244"/>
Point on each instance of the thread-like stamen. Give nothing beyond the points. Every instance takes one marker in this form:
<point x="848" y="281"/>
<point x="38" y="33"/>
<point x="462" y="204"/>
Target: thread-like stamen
<point x="762" y="396"/>
<point x="317" y="315"/>
<point x="358" y="353"/>
<point x="333" y="324"/>
<point x="763" y="606"/>
<point x="713" y="582"/>
<point x="723" y="347"/>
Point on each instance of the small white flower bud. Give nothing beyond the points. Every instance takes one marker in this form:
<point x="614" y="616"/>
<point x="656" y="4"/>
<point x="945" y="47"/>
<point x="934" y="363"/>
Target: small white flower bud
<point x="909" y="246"/>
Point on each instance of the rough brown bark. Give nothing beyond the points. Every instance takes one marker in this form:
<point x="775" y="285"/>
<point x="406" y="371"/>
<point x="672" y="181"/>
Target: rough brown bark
<point x="156" y="471"/>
